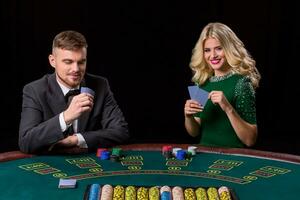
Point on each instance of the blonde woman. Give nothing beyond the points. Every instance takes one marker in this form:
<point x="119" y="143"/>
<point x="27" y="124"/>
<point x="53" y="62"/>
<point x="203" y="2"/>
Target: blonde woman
<point x="222" y="66"/>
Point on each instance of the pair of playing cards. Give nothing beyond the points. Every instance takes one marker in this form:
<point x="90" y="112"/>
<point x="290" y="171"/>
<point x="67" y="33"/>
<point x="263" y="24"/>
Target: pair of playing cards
<point x="198" y="94"/>
<point x="67" y="183"/>
<point x="87" y="90"/>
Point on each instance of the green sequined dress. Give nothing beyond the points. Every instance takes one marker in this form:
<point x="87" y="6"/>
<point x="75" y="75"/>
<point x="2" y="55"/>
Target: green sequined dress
<point x="216" y="129"/>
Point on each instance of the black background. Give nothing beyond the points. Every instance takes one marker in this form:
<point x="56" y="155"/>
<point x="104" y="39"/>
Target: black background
<point x="144" y="49"/>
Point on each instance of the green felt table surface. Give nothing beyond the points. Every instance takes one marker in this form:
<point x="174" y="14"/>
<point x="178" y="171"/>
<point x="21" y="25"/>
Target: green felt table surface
<point x="249" y="177"/>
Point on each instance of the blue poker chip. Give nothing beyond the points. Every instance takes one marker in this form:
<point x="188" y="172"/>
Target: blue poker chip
<point x="94" y="192"/>
<point x="165" y="195"/>
<point x="181" y="154"/>
<point x="105" y="155"/>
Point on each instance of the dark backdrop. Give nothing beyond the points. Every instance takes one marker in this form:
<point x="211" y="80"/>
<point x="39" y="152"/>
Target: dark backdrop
<point x="144" y="48"/>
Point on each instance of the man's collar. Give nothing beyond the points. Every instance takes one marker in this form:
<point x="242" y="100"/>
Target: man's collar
<point x="65" y="89"/>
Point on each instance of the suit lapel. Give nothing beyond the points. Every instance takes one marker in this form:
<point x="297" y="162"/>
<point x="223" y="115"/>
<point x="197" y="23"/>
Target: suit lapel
<point x="83" y="119"/>
<point x="55" y="96"/>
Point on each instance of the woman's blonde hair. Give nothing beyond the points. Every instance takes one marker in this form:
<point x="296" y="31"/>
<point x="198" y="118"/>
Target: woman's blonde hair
<point x="236" y="54"/>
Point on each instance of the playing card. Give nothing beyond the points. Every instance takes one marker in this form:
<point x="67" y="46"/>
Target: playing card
<point x="198" y="94"/>
<point x="87" y="90"/>
<point x="67" y="183"/>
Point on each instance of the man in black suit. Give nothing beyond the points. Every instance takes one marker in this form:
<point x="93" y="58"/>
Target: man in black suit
<point x="88" y="121"/>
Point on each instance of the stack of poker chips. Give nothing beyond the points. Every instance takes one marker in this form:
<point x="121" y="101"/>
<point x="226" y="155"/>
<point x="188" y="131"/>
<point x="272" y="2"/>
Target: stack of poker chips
<point x="130" y="193"/>
<point x="95" y="191"/>
<point x="115" y="154"/>
<point x="105" y="154"/>
<point x="177" y="193"/>
<point x="154" y="193"/>
<point x="167" y="151"/>
<point x="119" y="192"/>
<point x="100" y="151"/>
<point x="180" y="154"/>
<point x="175" y="151"/>
<point x="142" y="193"/>
<point x="165" y="192"/>
<point x="107" y="192"/>
<point x="192" y="150"/>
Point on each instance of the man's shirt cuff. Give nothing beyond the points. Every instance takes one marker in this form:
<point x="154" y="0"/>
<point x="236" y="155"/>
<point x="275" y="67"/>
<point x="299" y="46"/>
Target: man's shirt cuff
<point x="81" y="141"/>
<point x="62" y="123"/>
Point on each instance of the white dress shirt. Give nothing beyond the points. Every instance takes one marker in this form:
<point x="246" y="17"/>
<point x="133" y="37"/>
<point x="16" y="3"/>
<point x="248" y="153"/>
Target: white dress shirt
<point x="81" y="141"/>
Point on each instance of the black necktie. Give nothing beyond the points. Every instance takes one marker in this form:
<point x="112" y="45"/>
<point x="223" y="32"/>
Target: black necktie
<point x="71" y="94"/>
<point x="68" y="99"/>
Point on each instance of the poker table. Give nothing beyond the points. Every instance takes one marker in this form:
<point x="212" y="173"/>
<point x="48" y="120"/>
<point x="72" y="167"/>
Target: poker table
<point x="250" y="174"/>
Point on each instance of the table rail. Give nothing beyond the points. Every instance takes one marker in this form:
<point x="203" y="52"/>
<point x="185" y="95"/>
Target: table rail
<point x="13" y="155"/>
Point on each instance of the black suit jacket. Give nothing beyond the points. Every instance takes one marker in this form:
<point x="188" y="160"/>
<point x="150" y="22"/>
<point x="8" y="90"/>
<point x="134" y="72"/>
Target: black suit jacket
<point x="43" y="101"/>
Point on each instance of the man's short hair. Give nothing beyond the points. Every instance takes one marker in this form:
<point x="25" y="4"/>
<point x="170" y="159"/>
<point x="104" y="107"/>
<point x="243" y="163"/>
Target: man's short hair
<point x="69" y="40"/>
